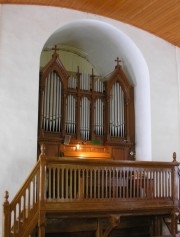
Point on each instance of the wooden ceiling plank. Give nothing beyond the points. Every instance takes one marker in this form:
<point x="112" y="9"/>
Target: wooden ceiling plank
<point x="160" y="17"/>
<point x="154" y="13"/>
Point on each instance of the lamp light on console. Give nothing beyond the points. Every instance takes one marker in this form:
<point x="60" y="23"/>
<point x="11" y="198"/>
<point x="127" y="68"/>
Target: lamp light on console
<point x="77" y="147"/>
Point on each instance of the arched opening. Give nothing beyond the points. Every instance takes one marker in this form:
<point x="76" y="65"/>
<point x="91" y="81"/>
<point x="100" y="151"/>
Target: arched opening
<point x="101" y="43"/>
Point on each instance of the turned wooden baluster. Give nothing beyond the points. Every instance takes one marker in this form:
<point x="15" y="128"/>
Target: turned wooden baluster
<point x="6" y="216"/>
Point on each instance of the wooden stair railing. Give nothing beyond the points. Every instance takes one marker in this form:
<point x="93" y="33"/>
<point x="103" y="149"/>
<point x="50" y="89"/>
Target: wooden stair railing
<point x="22" y="215"/>
<point x="77" y="186"/>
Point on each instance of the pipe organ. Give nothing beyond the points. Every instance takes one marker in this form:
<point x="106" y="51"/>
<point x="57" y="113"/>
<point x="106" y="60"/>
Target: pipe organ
<point x="86" y="107"/>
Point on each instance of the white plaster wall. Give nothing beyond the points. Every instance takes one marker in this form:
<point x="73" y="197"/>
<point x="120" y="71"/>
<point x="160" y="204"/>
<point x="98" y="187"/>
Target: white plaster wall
<point x="23" y="32"/>
<point x="178" y="70"/>
<point x="162" y="63"/>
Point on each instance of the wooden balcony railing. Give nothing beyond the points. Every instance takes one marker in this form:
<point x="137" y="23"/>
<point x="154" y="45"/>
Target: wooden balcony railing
<point x="91" y="186"/>
<point x="75" y="181"/>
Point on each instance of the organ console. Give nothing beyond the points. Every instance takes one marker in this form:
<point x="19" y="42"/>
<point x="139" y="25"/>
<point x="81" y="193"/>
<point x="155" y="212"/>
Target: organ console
<point x="88" y="108"/>
<point x="86" y="151"/>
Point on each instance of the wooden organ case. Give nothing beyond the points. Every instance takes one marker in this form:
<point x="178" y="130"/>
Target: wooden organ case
<point x="97" y="114"/>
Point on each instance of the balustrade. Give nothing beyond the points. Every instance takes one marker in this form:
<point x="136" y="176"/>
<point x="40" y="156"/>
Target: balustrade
<point x="74" y="185"/>
<point x="114" y="180"/>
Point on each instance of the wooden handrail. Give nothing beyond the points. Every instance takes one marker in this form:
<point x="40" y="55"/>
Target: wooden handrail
<point x="100" y="162"/>
<point x="25" y="184"/>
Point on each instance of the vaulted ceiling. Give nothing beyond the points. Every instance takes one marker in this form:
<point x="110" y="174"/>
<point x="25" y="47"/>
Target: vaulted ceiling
<point x="159" y="17"/>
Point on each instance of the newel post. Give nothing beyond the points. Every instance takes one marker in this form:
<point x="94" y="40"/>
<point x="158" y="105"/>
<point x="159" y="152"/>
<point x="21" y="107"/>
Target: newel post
<point x="42" y="159"/>
<point x="6" y="216"/>
<point x="175" y="179"/>
<point x="41" y="222"/>
<point x="174" y="213"/>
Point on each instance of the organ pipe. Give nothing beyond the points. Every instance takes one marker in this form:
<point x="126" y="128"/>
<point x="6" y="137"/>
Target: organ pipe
<point x="70" y="114"/>
<point x="98" y="117"/>
<point x="51" y="108"/>
<point x="85" y="119"/>
<point x="117" y="122"/>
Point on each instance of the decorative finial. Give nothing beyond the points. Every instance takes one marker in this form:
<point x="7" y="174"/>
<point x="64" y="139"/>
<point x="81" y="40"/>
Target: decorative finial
<point x="43" y="148"/>
<point x="174" y="156"/>
<point x="118" y="61"/>
<point x="55" y="49"/>
<point x="6" y="196"/>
